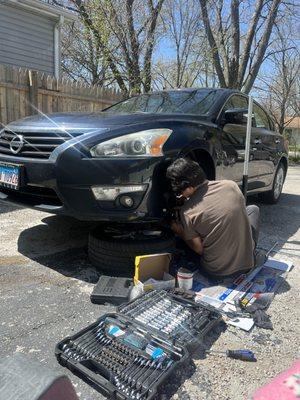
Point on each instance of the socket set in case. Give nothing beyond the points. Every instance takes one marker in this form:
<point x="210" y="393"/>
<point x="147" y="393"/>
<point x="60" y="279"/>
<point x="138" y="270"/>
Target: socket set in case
<point x="171" y="317"/>
<point x="131" y="353"/>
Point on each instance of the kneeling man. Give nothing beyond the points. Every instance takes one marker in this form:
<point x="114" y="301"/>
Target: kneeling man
<point x="215" y="222"/>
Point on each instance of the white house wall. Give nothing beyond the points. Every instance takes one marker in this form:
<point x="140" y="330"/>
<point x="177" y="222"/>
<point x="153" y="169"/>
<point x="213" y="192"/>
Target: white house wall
<point x="26" y="39"/>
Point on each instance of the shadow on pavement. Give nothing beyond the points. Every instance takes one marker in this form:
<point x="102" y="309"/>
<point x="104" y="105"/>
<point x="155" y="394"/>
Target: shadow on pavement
<point x="189" y="370"/>
<point x="60" y="244"/>
<point x="284" y="287"/>
<point x="72" y="263"/>
<point x="7" y="207"/>
<point x="209" y="340"/>
<point x="286" y="199"/>
<point x="176" y="380"/>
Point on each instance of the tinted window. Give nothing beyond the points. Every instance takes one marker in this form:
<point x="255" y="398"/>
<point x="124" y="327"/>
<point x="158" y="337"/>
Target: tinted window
<point x="261" y="118"/>
<point x="197" y="102"/>
<point x="236" y="101"/>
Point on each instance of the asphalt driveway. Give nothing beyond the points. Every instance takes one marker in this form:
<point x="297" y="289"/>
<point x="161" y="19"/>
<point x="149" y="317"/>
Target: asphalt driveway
<point x="46" y="280"/>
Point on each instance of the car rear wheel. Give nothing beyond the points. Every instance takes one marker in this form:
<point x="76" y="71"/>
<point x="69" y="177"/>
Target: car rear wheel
<point x="273" y="195"/>
<point x="114" y="250"/>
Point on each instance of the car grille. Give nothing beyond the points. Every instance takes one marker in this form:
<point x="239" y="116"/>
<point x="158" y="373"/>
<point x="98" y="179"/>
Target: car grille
<point x="36" y="144"/>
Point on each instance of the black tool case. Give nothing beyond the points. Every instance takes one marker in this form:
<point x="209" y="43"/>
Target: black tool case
<point x="131" y="353"/>
<point x="111" y="289"/>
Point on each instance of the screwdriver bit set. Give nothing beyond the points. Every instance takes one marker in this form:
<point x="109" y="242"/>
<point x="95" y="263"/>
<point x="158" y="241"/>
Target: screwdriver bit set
<point x="131" y="353"/>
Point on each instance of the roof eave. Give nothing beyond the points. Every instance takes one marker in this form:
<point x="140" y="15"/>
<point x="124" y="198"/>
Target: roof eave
<point x="45" y="9"/>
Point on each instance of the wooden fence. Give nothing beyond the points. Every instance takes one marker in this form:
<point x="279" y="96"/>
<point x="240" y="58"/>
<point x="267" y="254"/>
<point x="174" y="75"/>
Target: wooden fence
<point x="24" y="92"/>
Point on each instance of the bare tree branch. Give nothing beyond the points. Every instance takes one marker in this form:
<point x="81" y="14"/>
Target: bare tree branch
<point x="150" y="43"/>
<point x="249" y="39"/>
<point x="262" y="47"/>
<point x="106" y="52"/>
<point x="212" y="43"/>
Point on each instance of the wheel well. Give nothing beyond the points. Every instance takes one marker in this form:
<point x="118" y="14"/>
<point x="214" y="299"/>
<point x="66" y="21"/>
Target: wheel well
<point x="205" y="160"/>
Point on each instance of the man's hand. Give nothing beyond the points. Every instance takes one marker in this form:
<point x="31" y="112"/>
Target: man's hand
<point x="177" y="228"/>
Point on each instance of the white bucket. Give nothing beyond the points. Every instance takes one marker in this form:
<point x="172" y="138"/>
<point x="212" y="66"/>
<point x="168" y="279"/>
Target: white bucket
<point x="185" y="278"/>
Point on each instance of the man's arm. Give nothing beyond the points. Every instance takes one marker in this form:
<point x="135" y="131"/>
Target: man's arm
<point x="177" y="228"/>
<point x="195" y="244"/>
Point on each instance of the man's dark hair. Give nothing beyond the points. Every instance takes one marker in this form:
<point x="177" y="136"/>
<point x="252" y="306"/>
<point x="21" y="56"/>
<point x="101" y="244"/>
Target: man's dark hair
<point x="184" y="173"/>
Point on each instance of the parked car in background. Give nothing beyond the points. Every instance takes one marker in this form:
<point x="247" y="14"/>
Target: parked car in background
<point x="110" y="166"/>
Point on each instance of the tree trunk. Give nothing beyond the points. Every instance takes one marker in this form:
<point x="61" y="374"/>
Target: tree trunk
<point x="249" y="41"/>
<point x="212" y="43"/>
<point x="234" y="64"/>
<point x="150" y="44"/>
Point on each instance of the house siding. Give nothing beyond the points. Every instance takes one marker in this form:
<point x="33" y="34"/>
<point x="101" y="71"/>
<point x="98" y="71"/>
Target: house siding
<point x="26" y="39"/>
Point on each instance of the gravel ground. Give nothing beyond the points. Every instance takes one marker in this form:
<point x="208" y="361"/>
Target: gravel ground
<point x="46" y="280"/>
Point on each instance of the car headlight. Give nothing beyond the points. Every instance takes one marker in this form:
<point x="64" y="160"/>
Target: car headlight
<point x="143" y="143"/>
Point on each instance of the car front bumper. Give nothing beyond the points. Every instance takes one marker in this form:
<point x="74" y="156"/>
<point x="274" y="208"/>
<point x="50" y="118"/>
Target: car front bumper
<point x="63" y="185"/>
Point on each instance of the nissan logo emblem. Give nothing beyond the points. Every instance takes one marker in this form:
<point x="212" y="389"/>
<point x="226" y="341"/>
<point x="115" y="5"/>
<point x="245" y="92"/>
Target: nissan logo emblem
<point x="17" y="144"/>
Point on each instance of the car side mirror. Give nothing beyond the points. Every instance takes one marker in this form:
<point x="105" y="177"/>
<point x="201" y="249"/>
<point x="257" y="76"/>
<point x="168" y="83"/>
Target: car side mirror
<point x="237" y="116"/>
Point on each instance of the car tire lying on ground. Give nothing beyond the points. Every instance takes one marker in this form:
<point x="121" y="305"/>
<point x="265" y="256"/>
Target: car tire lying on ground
<point x="115" y="251"/>
<point x="273" y="195"/>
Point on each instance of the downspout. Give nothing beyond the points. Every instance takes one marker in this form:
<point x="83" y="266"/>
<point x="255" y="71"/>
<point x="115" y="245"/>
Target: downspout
<point x="57" y="46"/>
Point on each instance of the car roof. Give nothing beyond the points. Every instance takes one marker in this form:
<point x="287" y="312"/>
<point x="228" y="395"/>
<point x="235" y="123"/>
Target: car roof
<point x="220" y="90"/>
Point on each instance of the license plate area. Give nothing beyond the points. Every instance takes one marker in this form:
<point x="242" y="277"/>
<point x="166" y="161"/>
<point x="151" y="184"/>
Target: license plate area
<point x="10" y="175"/>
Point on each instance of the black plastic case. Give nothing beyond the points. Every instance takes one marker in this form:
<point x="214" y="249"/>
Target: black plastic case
<point x="111" y="289"/>
<point x="148" y="354"/>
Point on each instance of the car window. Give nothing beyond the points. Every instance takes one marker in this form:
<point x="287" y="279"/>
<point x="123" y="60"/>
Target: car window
<point x="261" y="118"/>
<point x="236" y="101"/>
<point x="198" y="102"/>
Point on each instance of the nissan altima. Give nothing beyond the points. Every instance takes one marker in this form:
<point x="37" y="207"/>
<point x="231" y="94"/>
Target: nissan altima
<point x="110" y="165"/>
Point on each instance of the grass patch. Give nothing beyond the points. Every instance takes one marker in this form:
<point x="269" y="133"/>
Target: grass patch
<point x="295" y="158"/>
<point x="294" y="148"/>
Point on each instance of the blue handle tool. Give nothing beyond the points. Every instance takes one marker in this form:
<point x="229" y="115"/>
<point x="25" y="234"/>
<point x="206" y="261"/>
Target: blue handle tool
<point x="244" y="355"/>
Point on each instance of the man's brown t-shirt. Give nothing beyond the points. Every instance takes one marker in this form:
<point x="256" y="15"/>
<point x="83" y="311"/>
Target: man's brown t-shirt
<point x="216" y="212"/>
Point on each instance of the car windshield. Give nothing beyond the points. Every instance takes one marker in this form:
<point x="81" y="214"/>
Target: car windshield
<point x="197" y="102"/>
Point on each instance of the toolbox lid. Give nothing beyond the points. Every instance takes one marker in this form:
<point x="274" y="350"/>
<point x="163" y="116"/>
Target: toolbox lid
<point x="151" y="266"/>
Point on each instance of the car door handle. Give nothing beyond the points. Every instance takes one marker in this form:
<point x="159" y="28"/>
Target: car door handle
<point x="257" y="141"/>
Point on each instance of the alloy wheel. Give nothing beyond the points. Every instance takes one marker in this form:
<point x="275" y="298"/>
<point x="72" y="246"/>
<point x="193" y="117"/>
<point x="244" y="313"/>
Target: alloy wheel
<point x="278" y="183"/>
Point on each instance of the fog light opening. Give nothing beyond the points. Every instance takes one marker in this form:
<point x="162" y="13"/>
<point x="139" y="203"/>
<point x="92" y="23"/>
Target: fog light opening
<point x="126" y="201"/>
<point x="110" y="193"/>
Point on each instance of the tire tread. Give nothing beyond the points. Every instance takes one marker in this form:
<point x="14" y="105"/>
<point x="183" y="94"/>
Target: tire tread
<point x="109" y="254"/>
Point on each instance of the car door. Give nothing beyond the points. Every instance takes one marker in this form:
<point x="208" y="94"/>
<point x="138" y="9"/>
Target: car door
<point x="267" y="141"/>
<point x="233" y="141"/>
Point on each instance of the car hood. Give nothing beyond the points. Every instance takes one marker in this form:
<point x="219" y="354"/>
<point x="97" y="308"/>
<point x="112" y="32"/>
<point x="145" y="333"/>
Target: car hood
<point x="80" y="123"/>
<point x="84" y="122"/>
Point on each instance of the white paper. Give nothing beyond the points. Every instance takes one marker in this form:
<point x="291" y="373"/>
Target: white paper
<point x="276" y="264"/>
<point x="246" y="287"/>
<point x="243" y="323"/>
<point x="202" y="298"/>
